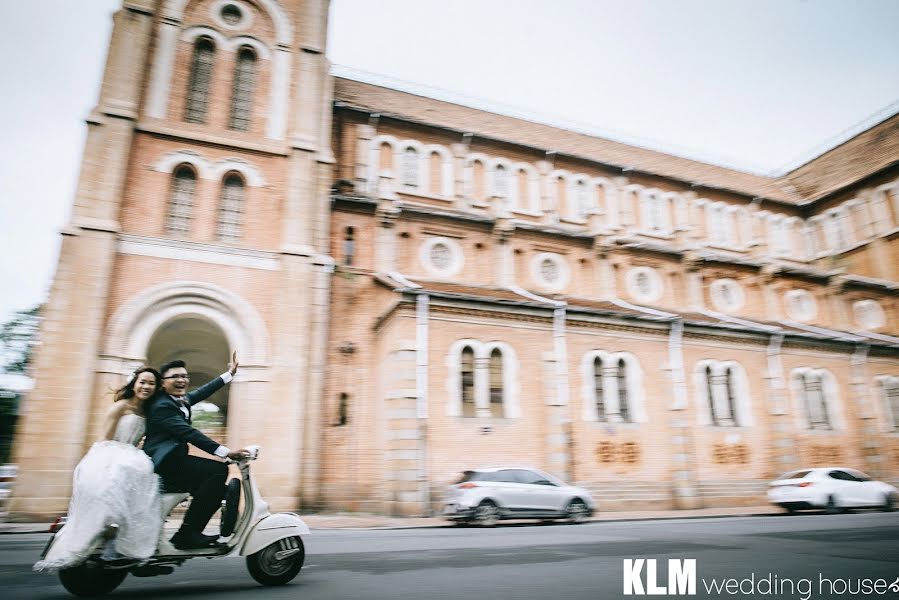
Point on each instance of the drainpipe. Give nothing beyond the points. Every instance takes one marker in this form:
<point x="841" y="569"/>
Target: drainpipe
<point x="676" y="362"/>
<point x="775" y="373"/>
<point x="561" y="351"/>
<point x="421" y="397"/>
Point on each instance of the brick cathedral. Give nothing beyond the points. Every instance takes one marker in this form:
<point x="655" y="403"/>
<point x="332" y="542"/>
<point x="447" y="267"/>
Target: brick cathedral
<point x="417" y="287"/>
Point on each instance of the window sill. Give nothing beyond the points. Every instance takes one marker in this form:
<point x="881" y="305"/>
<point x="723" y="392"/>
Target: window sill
<point x="726" y="248"/>
<point x="416" y="194"/>
<point x="528" y="213"/>
<point x="669" y="237"/>
<point x="615" y="424"/>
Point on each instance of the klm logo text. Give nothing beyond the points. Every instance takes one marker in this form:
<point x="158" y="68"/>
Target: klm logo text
<point x="681" y="577"/>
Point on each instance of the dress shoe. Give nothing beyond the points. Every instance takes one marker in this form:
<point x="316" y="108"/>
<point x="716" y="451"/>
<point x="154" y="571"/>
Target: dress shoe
<point x="192" y="539"/>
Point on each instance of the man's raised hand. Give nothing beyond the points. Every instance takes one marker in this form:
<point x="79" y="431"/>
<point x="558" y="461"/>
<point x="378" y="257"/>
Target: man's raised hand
<point x="232" y="366"/>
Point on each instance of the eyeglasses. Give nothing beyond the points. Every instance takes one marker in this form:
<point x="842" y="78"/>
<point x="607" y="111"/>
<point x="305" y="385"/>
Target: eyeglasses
<point x="179" y="376"/>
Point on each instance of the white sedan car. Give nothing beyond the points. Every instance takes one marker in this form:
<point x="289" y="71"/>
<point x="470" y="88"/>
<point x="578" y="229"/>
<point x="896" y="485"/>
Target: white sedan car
<point x="484" y="496"/>
<point x="831" y="488"/>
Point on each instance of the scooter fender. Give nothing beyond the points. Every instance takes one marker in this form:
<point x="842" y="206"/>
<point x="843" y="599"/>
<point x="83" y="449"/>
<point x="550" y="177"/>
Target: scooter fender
<point x="271" y="529"/>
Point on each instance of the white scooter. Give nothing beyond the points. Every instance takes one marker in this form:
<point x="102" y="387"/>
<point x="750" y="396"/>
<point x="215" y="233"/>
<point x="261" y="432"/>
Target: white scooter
<point x="272" y="544"/>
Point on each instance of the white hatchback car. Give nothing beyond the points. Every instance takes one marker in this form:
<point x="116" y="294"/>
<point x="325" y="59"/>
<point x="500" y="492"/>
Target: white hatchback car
<point x="484" y="496"/>
<point x="831" y="488"/>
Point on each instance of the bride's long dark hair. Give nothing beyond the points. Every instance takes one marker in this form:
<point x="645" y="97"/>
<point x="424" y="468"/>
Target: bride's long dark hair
<point x="126" y="392"/>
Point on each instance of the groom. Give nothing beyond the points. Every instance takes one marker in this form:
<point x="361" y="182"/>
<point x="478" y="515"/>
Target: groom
<point x="169" y="431"/>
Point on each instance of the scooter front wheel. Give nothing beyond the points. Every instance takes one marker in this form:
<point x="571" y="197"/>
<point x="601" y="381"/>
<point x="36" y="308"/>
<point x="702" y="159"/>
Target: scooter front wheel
<point x="87" y="581"/>
<point x="279" y="562"/>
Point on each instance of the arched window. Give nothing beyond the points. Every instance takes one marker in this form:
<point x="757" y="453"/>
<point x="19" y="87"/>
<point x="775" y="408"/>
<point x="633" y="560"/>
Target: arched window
<point x="723" y="394"/>
<point x="655" y="217"/>
<point x="889" y="387"/>
<point x="500" y="181"/>
<point x="200" y="78"/>
<point x="231" y="208"/>
<point x="838" y="226"/>
<point x="496" y="383"/>
<point x="711" y="395"/>
<point x="242" y="94"/>
<point x="815" y="401"/>
<point x="410" y="167"/>
<point x="582" y="199"/>
<point x="342" y="410"/>
<point x="349" y="246"/>
<point x="181" y="201"/>
<point x="623" y="394"/>
<point x="469" y="408"/>
<point x="730" y="388"/>
<point x="612" y="388"/>
<point x="599" y="390"/>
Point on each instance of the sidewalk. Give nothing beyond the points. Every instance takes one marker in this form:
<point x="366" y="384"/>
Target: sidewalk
<point x="369" y="521"/>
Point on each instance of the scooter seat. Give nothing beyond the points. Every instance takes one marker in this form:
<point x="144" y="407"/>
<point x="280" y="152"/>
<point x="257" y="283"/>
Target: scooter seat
<point x="170" y="501"/>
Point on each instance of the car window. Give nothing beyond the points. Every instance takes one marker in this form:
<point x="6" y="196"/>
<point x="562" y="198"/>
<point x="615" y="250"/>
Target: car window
<point x="840" y="475"/>
<point x="525" y="476"/>
<point x="470" y="476"/>
<point x="794" y="475"/>
<point x="504" y="476"/>
<point x="858" y="475"/>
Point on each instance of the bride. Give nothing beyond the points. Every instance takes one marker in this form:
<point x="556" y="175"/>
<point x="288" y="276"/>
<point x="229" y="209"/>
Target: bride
<point x="114" y="484"/>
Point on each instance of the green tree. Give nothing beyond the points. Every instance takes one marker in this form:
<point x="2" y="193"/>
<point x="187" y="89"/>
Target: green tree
<point x="17" y="338"/>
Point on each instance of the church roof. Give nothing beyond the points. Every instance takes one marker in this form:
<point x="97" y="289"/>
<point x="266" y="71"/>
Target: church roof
<point x="861" y="156"/>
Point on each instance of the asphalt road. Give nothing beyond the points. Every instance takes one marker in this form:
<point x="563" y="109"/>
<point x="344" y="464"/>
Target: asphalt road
<point x="791" y="553"/>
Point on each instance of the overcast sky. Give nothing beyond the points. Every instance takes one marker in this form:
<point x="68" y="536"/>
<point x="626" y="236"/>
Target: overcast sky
<point x="755" y="84"/>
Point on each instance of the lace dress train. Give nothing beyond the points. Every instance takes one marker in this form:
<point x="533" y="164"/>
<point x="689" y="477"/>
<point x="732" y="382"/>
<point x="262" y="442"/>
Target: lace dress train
<point x="113" y="483"/>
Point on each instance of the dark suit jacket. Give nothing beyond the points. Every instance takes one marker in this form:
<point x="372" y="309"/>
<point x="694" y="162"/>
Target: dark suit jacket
<point x="168" y="428"/>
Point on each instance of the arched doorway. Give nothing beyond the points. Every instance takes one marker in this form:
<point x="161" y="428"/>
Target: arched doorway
<point x="203" y="346"/>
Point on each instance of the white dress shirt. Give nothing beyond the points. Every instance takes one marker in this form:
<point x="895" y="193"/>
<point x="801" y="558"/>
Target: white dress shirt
<point x="221" y="451"/>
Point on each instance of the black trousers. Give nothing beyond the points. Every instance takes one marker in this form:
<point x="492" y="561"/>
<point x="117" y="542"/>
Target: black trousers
<point x="203" y="478"/>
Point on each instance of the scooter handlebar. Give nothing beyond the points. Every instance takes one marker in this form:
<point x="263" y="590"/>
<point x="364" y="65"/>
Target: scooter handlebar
<point x="253" y="455"/>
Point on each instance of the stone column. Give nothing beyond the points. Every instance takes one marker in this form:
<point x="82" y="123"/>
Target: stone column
<point x="835" y="287"/>
<point x="692" y="271"/>
<point x="605" y="273"/>
<point x="385" y="244"/>
<point x="766" y="279"/>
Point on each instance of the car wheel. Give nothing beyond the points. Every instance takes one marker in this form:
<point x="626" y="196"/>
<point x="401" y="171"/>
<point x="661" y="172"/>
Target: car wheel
<point x="791" y="510"/>
<point x="889" y="503"/>
<point x="486" y="514"/>
<point x="576" y="511"/>
<point x="831" y="508"/>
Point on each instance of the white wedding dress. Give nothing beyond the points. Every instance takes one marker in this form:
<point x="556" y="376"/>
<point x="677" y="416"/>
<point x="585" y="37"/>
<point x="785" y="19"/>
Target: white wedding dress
<point x="113" y="483"/>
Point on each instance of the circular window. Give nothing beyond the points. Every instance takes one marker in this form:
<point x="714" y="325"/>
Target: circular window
<point x="644" y="284"/>
<point x="869" y="314"/>
<point x="801" y="305"/>
<point x="727" y="295"/>
<point x="231" y="14"/>
<point x="549" y="271"/>
<point x="441" y="257"/>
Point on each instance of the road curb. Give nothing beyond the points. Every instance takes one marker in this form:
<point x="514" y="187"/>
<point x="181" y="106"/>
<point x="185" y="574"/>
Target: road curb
<point x="32" y="528"/>
<point x="527" y="522"/>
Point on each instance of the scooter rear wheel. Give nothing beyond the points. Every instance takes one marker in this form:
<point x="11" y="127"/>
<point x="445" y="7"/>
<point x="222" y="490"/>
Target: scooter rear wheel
<point x="268" y="568"/>
<point x="88" y="582"/>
